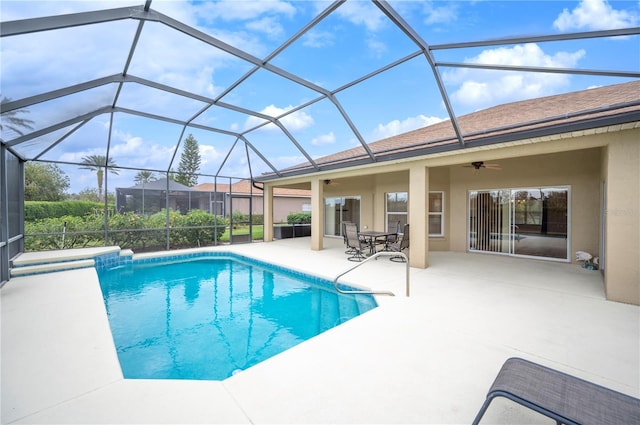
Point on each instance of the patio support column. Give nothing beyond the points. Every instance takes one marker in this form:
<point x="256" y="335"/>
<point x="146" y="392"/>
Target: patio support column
<point x="267" y="195"/>
<point x="317" y="214"/>
<point x="419" y="216"/>
<point x="622" y="220"/>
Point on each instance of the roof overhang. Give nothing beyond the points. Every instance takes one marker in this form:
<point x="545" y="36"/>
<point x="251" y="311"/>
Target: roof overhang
<point x="616" y="122"/>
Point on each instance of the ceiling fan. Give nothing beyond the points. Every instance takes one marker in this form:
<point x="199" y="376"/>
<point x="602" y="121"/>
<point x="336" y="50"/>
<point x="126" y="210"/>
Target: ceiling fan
<point x="477" y="165"/>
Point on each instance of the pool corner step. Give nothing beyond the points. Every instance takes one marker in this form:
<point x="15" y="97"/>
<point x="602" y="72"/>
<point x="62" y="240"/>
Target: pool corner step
<point x="50" y="267"/>
<point x="38" y="262"/>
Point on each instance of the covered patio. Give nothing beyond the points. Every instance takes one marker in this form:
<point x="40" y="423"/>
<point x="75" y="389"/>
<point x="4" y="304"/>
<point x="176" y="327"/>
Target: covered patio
<point x="427" y="358"/>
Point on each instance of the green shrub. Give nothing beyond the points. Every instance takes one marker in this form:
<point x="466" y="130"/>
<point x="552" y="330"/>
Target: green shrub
<point x="257" y="219"/>
<point x="200" y="228"/>
<point x="69" y="232"/>
<point x="299" y="218"/>
<point x="239" y="219"/>
<point x="38" y="210"/>
<point x="126" y="230"/>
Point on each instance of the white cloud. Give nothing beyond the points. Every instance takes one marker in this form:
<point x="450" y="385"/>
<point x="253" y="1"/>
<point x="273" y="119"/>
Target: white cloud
<point x="295" y="121"/>
<point x="362" y="13"/>
<point x="483" y="88"/>
<point x="267" y="25"/>
<point x="126" y="150"/>
<point x="324" y="139"/>
<point x="14" y="10"/>
<point x="395" y="127"/>
<point x="131" y="145"/>
<point x="376" y="47"/>
<point x="318" y="39"/>
<point x="232" y="10"/>
<point x="594" y="15"/>
<point x="208" y="154"/>
<point x="237" y="164"/>
<point x="287" y="161"/>
<point x="442" y="14"/>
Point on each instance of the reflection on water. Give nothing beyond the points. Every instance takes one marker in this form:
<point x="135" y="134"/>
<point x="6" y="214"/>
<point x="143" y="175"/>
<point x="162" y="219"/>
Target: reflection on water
<point x="206" y="318"/>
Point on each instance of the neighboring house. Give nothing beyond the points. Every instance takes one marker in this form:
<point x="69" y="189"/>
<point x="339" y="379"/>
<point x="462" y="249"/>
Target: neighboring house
<point x="244" y="197"/>
<point x="541" y="178"/>
<point x="149" y="198"/>
<point x="220" y="198"/>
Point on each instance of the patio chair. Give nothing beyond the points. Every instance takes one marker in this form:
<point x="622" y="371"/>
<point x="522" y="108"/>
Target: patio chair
<point x="344" y="237"/>
<point x="355" y="246"/>
<point x="400" y="245"/>
<point x="391" y="239"/>
<point x="349" y="250"/>
<point x="564" y="398"/>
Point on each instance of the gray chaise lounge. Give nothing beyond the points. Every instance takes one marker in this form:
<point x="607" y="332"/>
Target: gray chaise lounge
<point x="565" y="398"/>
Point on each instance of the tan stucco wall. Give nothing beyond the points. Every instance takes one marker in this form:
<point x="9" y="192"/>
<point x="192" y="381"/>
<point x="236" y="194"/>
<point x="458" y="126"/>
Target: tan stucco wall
<point x="365" y="187"/>
<point x="387" y="183"/>
<point x="579" y="170"/>
<point x="283" y="206"/>
<point x="439" y="181"/>
<point x="622" y="240"/>
<point x="581" y="162"/>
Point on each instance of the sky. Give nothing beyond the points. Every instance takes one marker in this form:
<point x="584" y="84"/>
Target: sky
<point x="355" y="40"/>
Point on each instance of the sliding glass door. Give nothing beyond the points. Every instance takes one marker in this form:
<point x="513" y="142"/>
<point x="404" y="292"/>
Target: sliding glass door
<point x="337" y="210"/>
<point x="489" y="221"/>
<point x="526" y="222"/>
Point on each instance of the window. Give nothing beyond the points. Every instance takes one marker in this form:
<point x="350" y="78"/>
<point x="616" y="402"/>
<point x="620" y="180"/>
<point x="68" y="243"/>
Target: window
<point x="396" y="208"/>
<point x="436" y="213"/>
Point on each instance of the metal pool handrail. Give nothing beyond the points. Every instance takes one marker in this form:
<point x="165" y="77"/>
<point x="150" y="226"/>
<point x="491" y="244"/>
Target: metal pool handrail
<point x="364" y="291"/>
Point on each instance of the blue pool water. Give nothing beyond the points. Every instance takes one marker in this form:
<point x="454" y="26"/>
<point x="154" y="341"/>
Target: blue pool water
<point x="206" y="318"/>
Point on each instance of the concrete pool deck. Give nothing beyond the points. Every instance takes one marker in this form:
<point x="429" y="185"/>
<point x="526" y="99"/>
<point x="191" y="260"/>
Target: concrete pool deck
<point x="429" y="358"/>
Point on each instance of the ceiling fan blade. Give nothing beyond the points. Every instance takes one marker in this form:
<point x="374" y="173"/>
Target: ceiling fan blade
<point x="331" y="183"/>
<point x="477" y="165"/>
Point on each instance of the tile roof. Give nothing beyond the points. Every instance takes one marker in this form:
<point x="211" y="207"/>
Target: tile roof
<point x="244" y="187"/>
<point x="508" y="122"/>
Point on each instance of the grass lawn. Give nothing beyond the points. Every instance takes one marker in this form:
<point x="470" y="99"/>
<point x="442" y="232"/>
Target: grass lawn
<point x="258" y="232"/>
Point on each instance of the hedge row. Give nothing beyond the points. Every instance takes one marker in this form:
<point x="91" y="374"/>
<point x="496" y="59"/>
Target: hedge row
<point x="241" y="218"/>
<point x="127" y="230"/>
<point x="39" y="210"/>
<point x="299" y="218"/>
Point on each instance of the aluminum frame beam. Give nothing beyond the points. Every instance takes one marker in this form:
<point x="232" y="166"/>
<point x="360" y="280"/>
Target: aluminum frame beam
<point x="145" y="13"/>
<point x="426" y="50"/>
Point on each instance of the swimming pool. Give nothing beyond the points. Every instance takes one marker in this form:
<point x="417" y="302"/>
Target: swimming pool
<point x="210" y="316"/>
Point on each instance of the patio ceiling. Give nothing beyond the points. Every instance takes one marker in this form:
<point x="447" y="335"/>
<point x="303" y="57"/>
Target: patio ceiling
<point x="137" y="94"/>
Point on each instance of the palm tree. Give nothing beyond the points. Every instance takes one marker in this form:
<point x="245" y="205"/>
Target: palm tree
<point x="13" y="122"/>
<point x="98" y="163"/>
<point x="144" y="177"/>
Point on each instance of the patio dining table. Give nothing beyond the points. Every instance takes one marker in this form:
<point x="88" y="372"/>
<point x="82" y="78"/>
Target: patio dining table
<point x="373" y="238"/>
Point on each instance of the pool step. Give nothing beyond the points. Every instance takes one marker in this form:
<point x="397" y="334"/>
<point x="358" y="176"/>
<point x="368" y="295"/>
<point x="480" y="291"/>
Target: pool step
<point x="30" y="263"/>
<point x="347" y="307"/>
<point x="51" y="267"/>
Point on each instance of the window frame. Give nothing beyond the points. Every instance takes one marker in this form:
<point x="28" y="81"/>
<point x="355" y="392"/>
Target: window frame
<point x="440" y="214"/>
<point x="388" y="213"/>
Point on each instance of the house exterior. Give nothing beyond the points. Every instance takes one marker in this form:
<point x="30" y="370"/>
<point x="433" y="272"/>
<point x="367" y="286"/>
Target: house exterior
<point x="541" y="178"/>
<point x="219" y="198"/>
<point x="242" y="196"/>
<point x="149" y="198"/>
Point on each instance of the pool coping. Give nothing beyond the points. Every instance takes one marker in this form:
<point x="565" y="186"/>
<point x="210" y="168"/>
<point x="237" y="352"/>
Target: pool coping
<point x="407" y="361"/>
